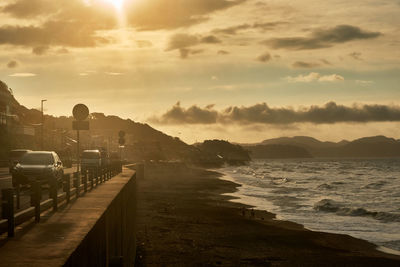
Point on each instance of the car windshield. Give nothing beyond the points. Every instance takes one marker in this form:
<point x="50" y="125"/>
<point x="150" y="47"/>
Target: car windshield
<point x="90" y="155"/>
<point x="37" y="159"/>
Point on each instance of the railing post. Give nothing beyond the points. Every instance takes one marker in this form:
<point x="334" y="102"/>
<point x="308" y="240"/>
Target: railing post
<point x="67" y="187"/>
<point x="53" y="193"/>
<point x="77" y="183"/>
<point x="7" y="208"/>
<point x="17" y="195"/>
<point x="85" y="178"/>
<point x="91" y="177"/>
<point x="97" y="176"/>
<point x="36" y="197"/>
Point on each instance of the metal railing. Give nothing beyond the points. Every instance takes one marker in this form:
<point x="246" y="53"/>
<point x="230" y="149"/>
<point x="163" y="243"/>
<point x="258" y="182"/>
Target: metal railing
<point x="81" y="183"/>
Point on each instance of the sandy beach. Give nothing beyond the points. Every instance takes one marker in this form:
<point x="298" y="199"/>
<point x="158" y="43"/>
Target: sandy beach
<point x="184" y="220"/>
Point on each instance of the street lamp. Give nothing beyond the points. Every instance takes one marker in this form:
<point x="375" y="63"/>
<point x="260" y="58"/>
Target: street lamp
<point x="41" y="142"/>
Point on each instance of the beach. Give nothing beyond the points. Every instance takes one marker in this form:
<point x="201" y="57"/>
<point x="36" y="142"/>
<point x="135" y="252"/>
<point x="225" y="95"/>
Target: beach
<point x="185" y="220"/>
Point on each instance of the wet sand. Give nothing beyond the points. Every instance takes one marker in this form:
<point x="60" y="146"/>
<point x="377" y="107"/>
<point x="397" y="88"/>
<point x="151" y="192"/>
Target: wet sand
<point x="183" y="220"/>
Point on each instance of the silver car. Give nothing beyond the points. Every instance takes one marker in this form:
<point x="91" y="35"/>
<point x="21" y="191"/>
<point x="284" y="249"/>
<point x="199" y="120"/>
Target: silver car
<point x="44" y="166"/>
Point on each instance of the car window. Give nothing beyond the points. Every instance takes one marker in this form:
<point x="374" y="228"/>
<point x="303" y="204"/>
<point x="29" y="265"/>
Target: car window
<point x="90" y="155"/>
<point x="17" y="154"/>
<point x="37" y="159"/>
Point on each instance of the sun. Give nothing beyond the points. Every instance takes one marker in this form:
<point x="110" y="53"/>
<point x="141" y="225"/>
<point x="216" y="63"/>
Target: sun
<point x="118" y="4"/>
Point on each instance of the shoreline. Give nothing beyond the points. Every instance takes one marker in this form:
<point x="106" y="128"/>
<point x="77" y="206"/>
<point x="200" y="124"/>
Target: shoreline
<point x="276" y="216"/>
<point x="185" y="220"/>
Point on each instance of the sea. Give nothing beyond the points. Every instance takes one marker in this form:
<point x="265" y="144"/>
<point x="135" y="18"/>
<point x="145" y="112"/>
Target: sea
<point x="358" y="197"/>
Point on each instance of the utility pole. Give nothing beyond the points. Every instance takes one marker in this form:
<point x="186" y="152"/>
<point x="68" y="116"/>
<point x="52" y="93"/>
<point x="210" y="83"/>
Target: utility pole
<point x="41" y="132"/>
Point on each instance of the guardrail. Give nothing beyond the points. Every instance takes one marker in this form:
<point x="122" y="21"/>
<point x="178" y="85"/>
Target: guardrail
<point x="81" y="183"/>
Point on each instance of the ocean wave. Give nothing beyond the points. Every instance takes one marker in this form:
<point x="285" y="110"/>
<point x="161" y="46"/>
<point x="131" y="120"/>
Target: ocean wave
<point x="329" y="205"/>
<point x="376" y="185"/>
<point x="325" y="187"/>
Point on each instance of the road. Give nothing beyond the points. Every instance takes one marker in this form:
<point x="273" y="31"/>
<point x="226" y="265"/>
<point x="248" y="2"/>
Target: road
<point x="5" y="182"/>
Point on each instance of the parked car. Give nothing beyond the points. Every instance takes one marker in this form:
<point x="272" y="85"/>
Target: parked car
<point x="14" y="157"/>
<point x="90" y="159"/>
<point x="44" y="166"/>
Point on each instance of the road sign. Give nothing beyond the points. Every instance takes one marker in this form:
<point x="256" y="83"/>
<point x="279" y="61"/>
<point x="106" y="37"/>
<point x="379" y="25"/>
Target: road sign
<point x="80" y="125"/>
<point x="80" y="112"/>
<point x="121" y="141"/>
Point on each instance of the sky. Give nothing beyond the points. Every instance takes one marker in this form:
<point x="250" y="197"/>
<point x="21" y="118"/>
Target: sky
<point x="239" y="70"/>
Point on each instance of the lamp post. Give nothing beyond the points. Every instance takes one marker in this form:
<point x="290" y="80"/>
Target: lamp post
<point x="41" y="138"/>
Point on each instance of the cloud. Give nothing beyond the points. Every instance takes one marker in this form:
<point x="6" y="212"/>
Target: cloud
<point x="223" y="52"/>
<point x="356" y="55"/>
<point x="192" y="115"/>
<point x="62" y="51"/>
<point x="263" y="114"/>
<point x="114" y="73"/>
<point x="183" y="42"/>
<point x="143" y="43"/>
<point x="210" y="39"/>
<point x="40" y="50"/>
<point x="314" y="76"/>
<point x="172" y="14"/>
<point x="12" y="64"/>
<point x="22" y="74"/>
<point x="30" y="8"/>
<point x="62" y="23"/>
<point x="363" y="82"/>
<point x="233" y="30"/>
<point x="322" y="38"/>
<point x="264" y="57"/>
<point x="305" y="65"/>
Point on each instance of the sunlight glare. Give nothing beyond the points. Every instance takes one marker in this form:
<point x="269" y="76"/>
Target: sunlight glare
<point x="118" y="4"/>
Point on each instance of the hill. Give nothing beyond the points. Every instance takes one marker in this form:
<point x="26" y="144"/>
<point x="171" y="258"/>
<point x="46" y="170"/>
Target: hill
<point x="277" y="151"/>
<point x="375" y="146"/>
<point x="224" y="152"/>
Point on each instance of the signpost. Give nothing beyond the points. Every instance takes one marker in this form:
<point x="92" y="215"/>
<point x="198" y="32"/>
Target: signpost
<point x="121" y="142"/>
<point x="80" y="112"/>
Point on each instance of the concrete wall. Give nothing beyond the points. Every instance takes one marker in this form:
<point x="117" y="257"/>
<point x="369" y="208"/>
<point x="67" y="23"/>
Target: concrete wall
<point x="113" y="238"/>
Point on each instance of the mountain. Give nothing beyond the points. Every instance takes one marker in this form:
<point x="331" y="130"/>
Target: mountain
<point x="375" y="146"/>
<point x="301" y="141"/>
<point x="224" y="152"/>
<point x="278" y="151"/>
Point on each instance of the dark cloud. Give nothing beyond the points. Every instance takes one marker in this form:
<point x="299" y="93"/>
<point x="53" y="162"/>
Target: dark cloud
<point x="356" y="55"/>
<point x="184" y="42"/>
<point x="40" y="50"/>
<point x="223" y="52"/>
<point x="172" y="14"/>
<point x="326" y="62"/>
<point x="322" y="38"/>
<point x="185" y="52"/>
<point x="192" y="115"/>
<point x="261" y="113"/>
<point x="210" y="39"/>
<point x="30" y="8"/>
<point x="264" y="57"/>
<point x="70" y="23"/>
<point x="12" y="64"/>
<point x="235" y="29"/>
<point x="305" y="65"/>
